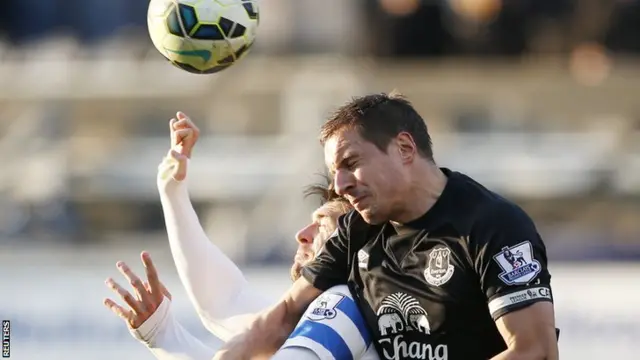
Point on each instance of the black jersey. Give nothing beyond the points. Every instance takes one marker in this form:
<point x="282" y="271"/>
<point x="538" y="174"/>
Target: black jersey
<point x="433" y="288"/>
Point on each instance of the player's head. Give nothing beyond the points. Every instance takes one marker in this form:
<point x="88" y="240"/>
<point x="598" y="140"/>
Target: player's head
<point x="370" y="145"/>
<point x="324" y="221"/>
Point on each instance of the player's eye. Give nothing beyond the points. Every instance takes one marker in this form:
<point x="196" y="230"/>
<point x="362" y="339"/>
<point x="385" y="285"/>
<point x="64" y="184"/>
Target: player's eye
<point x="351" y="165"/>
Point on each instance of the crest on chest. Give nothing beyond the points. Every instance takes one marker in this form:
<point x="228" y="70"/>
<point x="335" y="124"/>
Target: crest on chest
<point x="439" y="268"/>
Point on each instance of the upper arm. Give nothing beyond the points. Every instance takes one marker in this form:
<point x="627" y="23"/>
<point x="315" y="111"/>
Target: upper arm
<point x="331" y="265"/>
<point x="511" y="262"/>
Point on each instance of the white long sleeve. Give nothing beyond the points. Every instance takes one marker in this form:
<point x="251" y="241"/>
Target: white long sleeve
<point x="167" y="339"/>
<point x="214" y="284"/>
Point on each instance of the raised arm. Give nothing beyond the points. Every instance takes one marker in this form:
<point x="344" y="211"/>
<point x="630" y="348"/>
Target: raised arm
<point x="216" y="287"/>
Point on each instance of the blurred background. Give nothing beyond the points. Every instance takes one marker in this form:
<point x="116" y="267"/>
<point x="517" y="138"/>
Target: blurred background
<point x="536" y="99"/>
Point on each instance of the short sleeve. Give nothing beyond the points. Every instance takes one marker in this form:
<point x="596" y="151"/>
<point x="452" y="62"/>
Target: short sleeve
<point x="331" y="266"/>
<point x="510" y="259"/>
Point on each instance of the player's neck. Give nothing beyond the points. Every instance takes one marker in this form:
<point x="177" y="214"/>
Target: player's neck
<point x="424" y="192"/>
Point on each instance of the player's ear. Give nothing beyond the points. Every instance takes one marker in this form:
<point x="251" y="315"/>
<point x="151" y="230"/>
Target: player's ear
<point x="406" y="147"/>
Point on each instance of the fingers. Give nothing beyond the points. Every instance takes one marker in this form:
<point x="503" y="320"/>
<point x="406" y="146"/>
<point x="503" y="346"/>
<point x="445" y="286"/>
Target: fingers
<point x="126" y="296"/>
<point x="126" y="315"/>
<point x="155" y="287"/>
<point x="184" y="122"/>
<point x="163" y="290"/>
<point x="138" y="286"/>
<point x="179" y="129"/>
<point x="183" y="138"/>
<point x="184" y="134"/>
<point x="148" y="297"/>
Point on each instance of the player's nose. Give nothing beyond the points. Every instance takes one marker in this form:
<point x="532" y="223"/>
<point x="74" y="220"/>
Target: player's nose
<point x="306" y="234"/>
<point x="343" y="182"/>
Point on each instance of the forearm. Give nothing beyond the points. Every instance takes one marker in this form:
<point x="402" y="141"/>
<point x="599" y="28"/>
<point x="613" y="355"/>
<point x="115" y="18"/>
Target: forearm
<point x="167" y="339"/>
<point x="214" y="284"/>
<point x="529" y="333"/>
<point x="266" y="334"/>
<point x="179" y="344"/>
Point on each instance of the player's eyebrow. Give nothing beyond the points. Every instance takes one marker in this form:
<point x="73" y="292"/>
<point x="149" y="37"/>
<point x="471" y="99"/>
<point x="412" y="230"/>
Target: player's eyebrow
<point x="342" y="162"/>
<point x="318" y="217"/>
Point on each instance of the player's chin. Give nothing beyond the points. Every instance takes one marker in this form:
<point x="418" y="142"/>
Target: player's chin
<point x="371" y="217"/>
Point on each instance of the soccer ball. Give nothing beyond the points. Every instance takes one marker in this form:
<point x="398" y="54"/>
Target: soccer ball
<point x="203" y="36"/>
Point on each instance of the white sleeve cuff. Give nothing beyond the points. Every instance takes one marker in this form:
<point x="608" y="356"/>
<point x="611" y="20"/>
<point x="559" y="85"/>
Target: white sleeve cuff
<point x="148" y="330"/>
<point x="168" y="340"/>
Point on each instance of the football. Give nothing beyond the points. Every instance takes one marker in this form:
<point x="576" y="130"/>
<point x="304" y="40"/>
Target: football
<point x="203" y="36"/>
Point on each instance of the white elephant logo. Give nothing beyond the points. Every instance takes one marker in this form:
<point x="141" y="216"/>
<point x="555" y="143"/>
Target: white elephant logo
<point x="420" y="323"/>
<point x="400" y="312"/>
<point x="390" y="321"/>
<point x="404" y="330"/>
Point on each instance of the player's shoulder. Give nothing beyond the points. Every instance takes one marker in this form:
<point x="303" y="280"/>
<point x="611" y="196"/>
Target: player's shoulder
<point x="486" y="211"/>
<point x="484" y="205"/>
<point x="491" y="215"/>
<point x="497" y="210"/>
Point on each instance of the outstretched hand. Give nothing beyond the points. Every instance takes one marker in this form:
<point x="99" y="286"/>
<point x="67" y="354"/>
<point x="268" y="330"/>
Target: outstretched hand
<point x="148" y="295"/>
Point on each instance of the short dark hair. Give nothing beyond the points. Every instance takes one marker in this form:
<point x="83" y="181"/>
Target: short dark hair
<point x="379" y="118"/>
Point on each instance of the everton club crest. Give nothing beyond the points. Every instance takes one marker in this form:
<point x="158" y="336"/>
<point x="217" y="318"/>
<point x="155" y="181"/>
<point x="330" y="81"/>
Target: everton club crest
<point x="439" y="269"/>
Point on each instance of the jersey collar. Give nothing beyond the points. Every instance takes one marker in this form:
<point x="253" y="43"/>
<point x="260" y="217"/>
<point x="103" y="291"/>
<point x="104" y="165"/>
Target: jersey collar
<point x="437" y="212"/>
